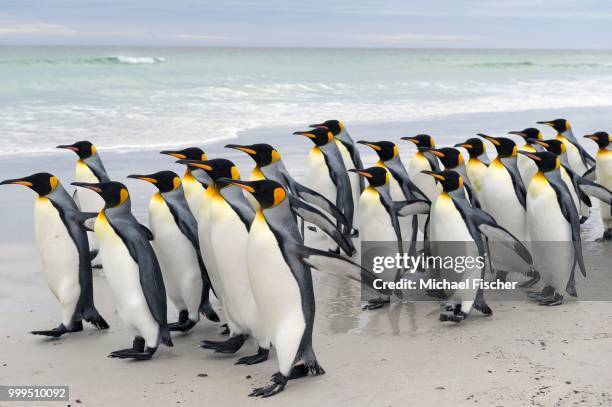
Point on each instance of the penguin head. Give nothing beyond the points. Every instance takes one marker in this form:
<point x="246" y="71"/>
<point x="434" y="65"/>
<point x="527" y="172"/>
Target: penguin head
<point x="42" y="183"/>
<point x="190" y="153"/>
<point x="376" y="176"/>
<point x="505" y="147"/>
<point x="474" y="146"/>
<point x="268" y="193"/>
<point x="449" y="157"/>
<point x="319" y="135"/>
<point x="335" y="126"/>
<point x="217" y="169"/>
<point x="114" y="193"/>
<point x="84" y="149"/>
<point x="450" y="180"/>
<point x="165" y="181"/>
<point x="560" y="125"/>
<point x="545" y="160"/>
<point x="601" y="138"/>
<point x="386" y="150"/>
<point x="530" y="134"/>
<point x="263" y="154"/>
<point x="421" y="140"/>
<point x="553" y="145"/>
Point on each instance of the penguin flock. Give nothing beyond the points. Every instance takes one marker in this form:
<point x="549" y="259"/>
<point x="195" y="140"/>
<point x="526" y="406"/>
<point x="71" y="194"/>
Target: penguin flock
<point x="212" y="233"/>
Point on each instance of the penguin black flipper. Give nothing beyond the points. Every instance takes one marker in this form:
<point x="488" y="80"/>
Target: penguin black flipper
<point x="137" y="241"/>
<point x="594" y="189"/>
<point x="570" y="213"/>
<point x="355" y="158"/>
<point x="517" y="181"/>
<point x="311" y="214"/>
<point x="576" y="179"/>
<point x="590" y="173"/>
<point x="412" y="207"/>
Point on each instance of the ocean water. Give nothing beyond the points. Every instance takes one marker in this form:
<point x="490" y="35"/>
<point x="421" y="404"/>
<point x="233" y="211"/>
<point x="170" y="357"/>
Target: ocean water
<point x="153" y="97"/>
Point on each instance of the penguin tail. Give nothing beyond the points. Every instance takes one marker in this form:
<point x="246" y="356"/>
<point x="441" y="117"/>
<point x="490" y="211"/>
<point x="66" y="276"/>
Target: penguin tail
<point x="165" y="335"/>
<point x="92" y="316"/>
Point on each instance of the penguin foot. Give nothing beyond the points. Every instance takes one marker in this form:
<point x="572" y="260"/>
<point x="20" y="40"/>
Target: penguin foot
<point x="458" y="317"/>
<point x="607" y="236"/>
<point x="261" y="356"/>
<point x="556" y="299"/>
<point x="483" y="308"/>
<point x="97" y="266"/>
<point x="313" y="367"/>
<point x="535" y="277"/>
<point x="77" y="326"/>
<point x="184" y="324"/>
<point x="376" y="303"/>
<point x="137" y="351"/>
<point x="230" y="346"/>
<point x="502" y="275"/>
<point x="208" y="311"/>
<point x="278" y="384"/>
<point x="226" y="330"/>
<point x="547" y="292"/>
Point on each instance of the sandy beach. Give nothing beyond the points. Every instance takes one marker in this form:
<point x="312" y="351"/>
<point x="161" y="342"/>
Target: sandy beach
<point x="522" y="355"/>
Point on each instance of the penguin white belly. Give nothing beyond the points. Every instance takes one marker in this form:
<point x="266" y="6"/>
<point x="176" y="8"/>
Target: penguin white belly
<point x="317" y="175"/>
<point x="476" y="171"/>
<point x="193" y="192"/>
<point x="603" y="174"/>
<point x="60" y="258"/>
<point x="501" y="202"/>
<point x="573" y="156"/>
<point x="276" y="292"/>
<point x="230" y="236"/>
<point x="424" y="182"/>
<point x="374" y="221"/>
<point x="177" y="258"/>
<point x="123" y="277"/>
<point x="354" y="178"/>
<point x="446" y="223"/>
<point x="550" y="234"/>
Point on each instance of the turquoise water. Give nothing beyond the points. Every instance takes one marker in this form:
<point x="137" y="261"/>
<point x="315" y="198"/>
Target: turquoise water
<point x="153" y="97"/>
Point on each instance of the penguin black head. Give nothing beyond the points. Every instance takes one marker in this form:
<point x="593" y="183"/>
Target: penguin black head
<point x="165" y="181"/>
<point x="386" y="150"/>
<point x="601" y="138"/>
<point x="217" y="168"/>
<point x="474" y="146"/>
<point x="263" y="154"/>
<point x="319" y="135"/>
<point x="84" y="149"/>
<point x="421" y="140"/>
<point x="114" y="193"/>
<point x="553" y="145"/>
<point x="505" y="147"/>
<point x="42" y="183"/>
<point x="335" y="126"/>
<point x="561" y="125"/>
<point x="545" y="160"/>
<point x="530" y="134"/>
<point x="376" y="176"/>
<point x="268" y="193"/>
<point x="190" y="153"/>
<point x="449" y="157"/>
<point x="450" y="180"/>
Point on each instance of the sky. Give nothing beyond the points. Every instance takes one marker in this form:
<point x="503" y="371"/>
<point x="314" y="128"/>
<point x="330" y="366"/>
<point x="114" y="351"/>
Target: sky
<point x="565" y="24"/>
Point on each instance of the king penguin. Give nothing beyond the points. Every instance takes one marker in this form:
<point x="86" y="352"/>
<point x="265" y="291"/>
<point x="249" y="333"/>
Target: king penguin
<point x="379" y="220"/>
<point x="603" y="175"/>
<point x="175" y="240"/>
<point x="452" y="159"/>
<point x="456" y="228"/>
<point x="89" y="168"/>
<point x="63" y="247"/>
<point x="132" y="271"/>
<point x="580" y="161"/>
<point x="279" y="267"/>
<point x="229" y="221"/>
<point x="477" y="163"/>
<point x="192" y="185"/>
<point x="527" y="167"/>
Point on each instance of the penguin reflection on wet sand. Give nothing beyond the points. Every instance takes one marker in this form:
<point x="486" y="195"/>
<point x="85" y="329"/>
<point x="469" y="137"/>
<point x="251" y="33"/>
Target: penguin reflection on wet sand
<point x="279" y="267"/>
<point x="132" y="271"/>
<point x="192" y="179"/>
<point x="176" y="244"/>
<point x="63" y="247"/>
<point x="603" y="175"/>
<point x="459" y="227"/>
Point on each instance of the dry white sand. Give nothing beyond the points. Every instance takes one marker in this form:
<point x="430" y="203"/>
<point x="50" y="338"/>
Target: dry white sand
<point x="523" y="355"/>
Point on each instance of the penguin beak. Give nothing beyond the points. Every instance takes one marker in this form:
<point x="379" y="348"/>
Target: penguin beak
<point x="245" y="149"/>
<point x="592" y="137"/>
<point x="196" y="164"/>
<point x="530" y="155"/>
<point x="434" y="174"/>
<point x="546" y="123"/>
<point x="70" y="147"/>
<point x="17" y="181"/>
<point x="491" y="139"/>
<point x="540" y="142"/>
<point x="93" y="187"/>
<point x="518" y="133"/>
<point x="411" y="139"/>
<point x="305" y="133"/>
<point x="175" y="154"/>
<point x="466" y="146"/>
<point x="437" y="153"/>
<point x="240" y="184"/>
<point x="147" y="178"/>
<point x="316" y="125"/>
<point x="363" y="173"/>
<point x="371" y="145"/>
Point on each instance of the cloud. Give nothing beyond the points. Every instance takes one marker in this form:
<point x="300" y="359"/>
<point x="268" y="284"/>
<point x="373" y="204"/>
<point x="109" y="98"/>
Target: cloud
<point x="36" y="29"/>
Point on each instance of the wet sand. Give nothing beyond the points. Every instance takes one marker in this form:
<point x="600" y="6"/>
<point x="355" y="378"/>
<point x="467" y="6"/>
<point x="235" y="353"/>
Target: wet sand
<point x="522" y="355"/>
